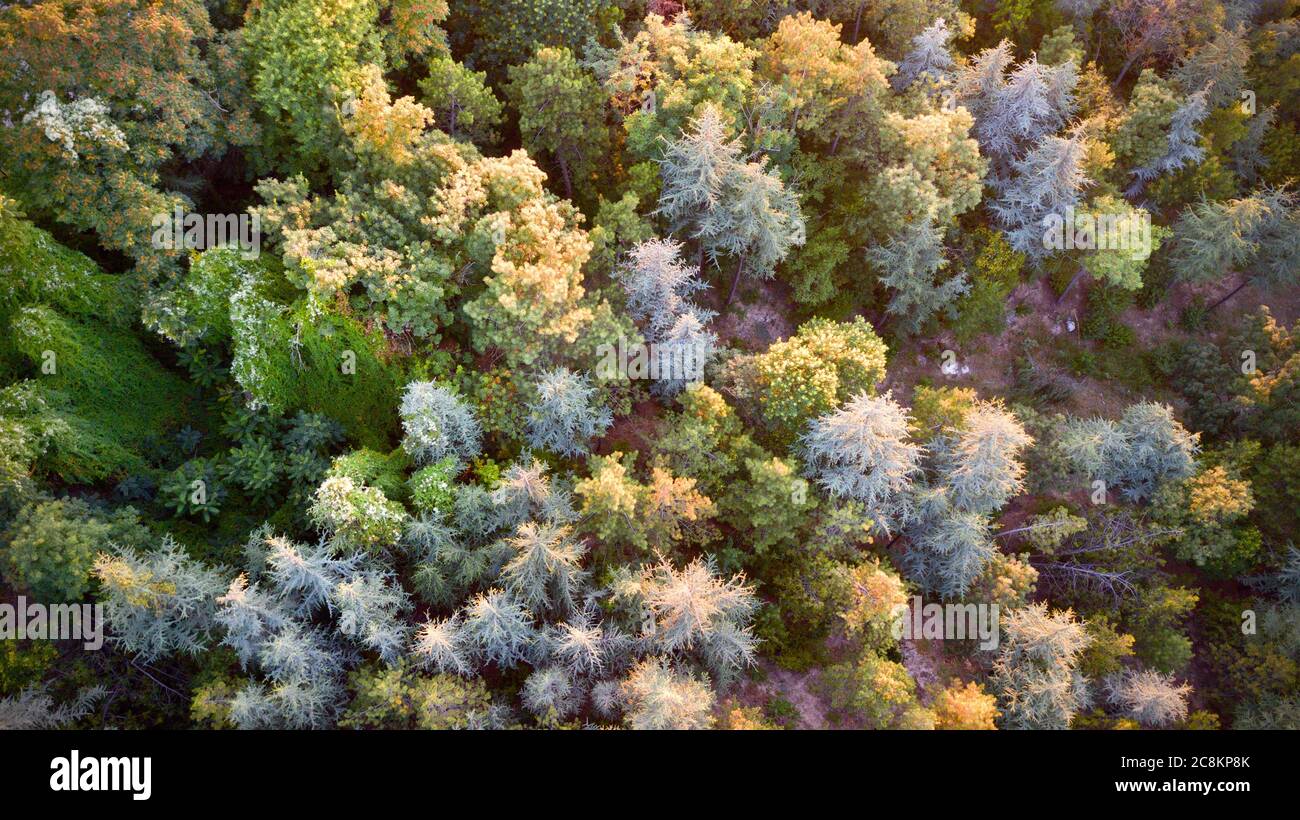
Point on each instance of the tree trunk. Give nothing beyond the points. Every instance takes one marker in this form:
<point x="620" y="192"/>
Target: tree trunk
<point x="1127" y="65"/>
<point x="564" y="171"/>
<point x="857" y="24"/>
<point x="1235" y="290"/>
<point x="1072" y="281"/>
<point x="735" y="282"/>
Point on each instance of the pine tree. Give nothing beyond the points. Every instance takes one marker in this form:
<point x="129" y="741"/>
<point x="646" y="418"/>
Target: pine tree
<point x="526" y="491"/>
<point x="563" y="419"/>
<point x="1255" y="234"/>
<point x="911" y="264"/>
<point x="759" y="221"/>
<point x="248" y="617"/>
<point x="949" y="548"/>
<point x="550" y="695"/>
<point x="1046" y="183"/>
<point x="438" y="424"/>
<point x="34" y="708"/>
<point x="1036" y="674"/>
<point x="1015" y="114"/>
<point x="462" y="102"/>
<point x="368" y="606"/>
<point x="438" y="646"/>
<point x="862" y="451"/>
<point x="585" y="646"/>
<point x="1218" y="66"/>
<point x="304" y="577"/>
<point x="1160" y="449"/>
<point x="929" y="57"/>
<point x="561" y="113"/>
<point x="729" y="206"/>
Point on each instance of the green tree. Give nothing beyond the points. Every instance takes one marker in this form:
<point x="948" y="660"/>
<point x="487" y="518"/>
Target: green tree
<point x="561" y="114"/>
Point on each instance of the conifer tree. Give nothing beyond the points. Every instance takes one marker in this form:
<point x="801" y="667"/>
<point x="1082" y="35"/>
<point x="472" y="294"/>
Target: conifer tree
<point x="982" y="465"/>
<point x="560" y="113"/>
<point x="659" y="697"/>
<point x="1149" y="697"/>
<point x="563" y="419"/>
<point x="929" y="57"/>
<point x="910" y="266"/>
<point x="1047" y="182"/>
<point x="1036" y="674"/>
<point x="544" y="572"/>
<point x="158" y="603"/>
<point x="863" y="451"/>
<point x="438" y="424"/>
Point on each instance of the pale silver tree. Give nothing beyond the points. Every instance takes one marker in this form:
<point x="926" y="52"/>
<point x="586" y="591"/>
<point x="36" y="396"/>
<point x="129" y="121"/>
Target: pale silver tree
<point x="864" y="451"/>
<point x="929" y="57"/>
<point x="1047" y="182"/>
<point x="1184" y="143"/>
<point x="550" y="694"/>
<point x="656" y="696"/>
<point x="1152" y="699"/>
<point x="693" y="613"/>
<point x="565" y="418"/>
<point x="981" y="462"/>
<point x="948" y="549"/>
<point x="497" y="629"/>
<point x="437" y="646"/>
<point x="545" y="570"/>
<point x="694" y="170"/>
<point x="160" y="602"/>
<point x="438" y="424"/>
<point x="527" y="492"/>
<point x="660" y="285"/>
<point x="1036" y="674"/>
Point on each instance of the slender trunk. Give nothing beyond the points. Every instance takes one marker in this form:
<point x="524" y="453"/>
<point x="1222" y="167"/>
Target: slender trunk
<point x="857" y="24"/>
<point x="735" y="281"/>
<point x="1072" y="281"/>
<point x="564" y="171"/>
<point x="1243" y="284"/>
<point x="1127" y="65"/>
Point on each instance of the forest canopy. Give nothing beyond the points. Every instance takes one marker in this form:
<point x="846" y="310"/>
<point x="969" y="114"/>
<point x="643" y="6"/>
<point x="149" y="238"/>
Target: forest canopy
<point x="651" y="364"/>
